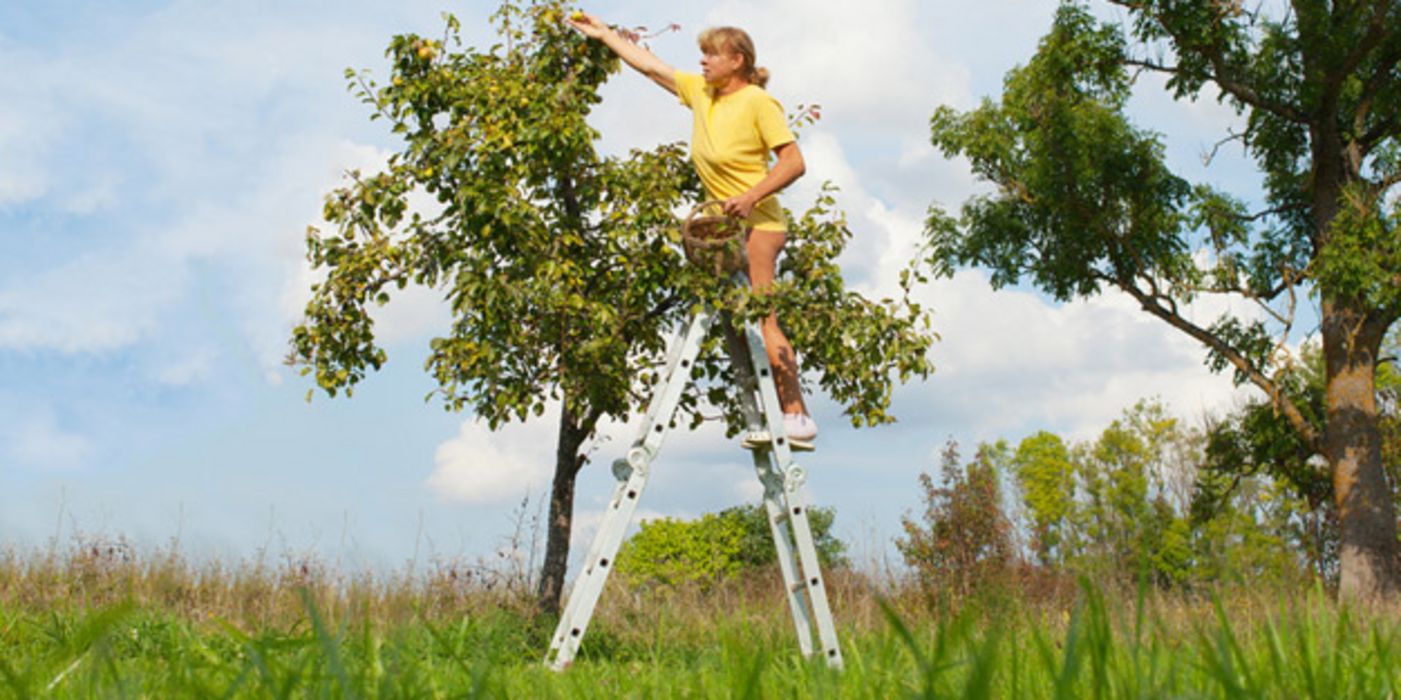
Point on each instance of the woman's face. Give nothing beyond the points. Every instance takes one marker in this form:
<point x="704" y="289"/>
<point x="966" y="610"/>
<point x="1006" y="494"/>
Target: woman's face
<point x="719" y="68"/>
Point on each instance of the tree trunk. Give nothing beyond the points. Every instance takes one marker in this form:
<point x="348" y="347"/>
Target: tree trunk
<point x="568" y="461"/>
<point x="1352" y="446"/>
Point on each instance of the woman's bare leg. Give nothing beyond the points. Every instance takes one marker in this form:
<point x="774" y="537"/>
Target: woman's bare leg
<point x="763" y="249"/>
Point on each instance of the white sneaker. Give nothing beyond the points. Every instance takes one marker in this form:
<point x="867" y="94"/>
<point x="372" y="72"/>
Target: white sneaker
<point x="800" y="429"/>
<point x="799" y="426"/>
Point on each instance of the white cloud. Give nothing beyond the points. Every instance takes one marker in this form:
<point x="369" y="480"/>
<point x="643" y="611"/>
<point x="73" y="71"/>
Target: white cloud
<point x="232" y="140"/>
<point x="1010" y="361"/>
<point x="587" y="522"/>
<point x="188" y="370"/>
<point x="28" y="125"/>
<point x="481" y="466"/>
<point x="97" y="302"/>
<point x="36" y="440"/>
<point x="748" y="490"/>
<point x="868" y="64"/>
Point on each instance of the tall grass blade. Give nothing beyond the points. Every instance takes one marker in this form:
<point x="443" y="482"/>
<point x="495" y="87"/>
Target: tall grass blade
<point x="16" y="683"/>
<point x="1071" y="659"/>
<point x="80" y="645"/>
<point x="983" y="670"/>
<point x="329" y="645"/>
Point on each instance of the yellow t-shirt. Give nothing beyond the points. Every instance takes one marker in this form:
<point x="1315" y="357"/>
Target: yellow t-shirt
<point x="731" y="140"/>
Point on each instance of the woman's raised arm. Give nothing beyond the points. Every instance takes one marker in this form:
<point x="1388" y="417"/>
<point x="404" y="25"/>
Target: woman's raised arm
<point x="644" y="61"/>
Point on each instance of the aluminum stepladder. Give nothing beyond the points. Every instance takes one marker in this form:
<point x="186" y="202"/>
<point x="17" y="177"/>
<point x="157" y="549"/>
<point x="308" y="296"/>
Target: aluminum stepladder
<point x="785" y="497"/>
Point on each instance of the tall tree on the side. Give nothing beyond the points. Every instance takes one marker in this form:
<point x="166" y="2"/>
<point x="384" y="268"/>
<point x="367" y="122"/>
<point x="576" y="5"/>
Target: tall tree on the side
<point x="1085" y="201"/>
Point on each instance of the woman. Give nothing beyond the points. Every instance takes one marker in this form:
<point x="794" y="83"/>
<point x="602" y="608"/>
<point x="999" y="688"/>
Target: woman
<point x="736" y="126"/>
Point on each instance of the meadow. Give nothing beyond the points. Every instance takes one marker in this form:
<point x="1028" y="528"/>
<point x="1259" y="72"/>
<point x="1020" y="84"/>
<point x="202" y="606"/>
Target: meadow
<point x="97" y="620"/>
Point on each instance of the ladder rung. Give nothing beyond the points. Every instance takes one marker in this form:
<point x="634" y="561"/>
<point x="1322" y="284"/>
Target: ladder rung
<point x="795" y="587"/>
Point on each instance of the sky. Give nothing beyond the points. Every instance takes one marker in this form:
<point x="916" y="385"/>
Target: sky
<point x="160" y="161"/>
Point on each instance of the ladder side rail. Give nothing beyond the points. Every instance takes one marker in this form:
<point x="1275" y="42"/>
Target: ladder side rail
<point x="622" y="472"/>
<point x="616" y="520"/>
<point x="793" y="479"/>
<point x="772" y="411"/>
<point x="673" y="360"/>
<point x="814" y="584"/>
<point x="652" y="433"/>
<point x="581" y="582"/>
<point x="772" y="481"/>
<point x="741" y="361"/>
<point x="696" y="326"/>
<point x="793" y="589"/>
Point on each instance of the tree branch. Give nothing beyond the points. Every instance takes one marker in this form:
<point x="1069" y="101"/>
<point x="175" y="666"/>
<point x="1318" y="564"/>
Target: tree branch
<point x="1230" y="136"/>
<point x="1152" y="66"/>
<point x="1150" y="303"/>
<point x="1376" y="31"/>
<point x="1378" y="131"/>
<point x="1386" y="63"/>
<point x="664" y="306"/>
<point x="586" y="429"/>
<point x="1221" y="72"/>
<point x="1385" y="317"/>
<point x="1388" y="182"/>
<point x="1249" y="95"/>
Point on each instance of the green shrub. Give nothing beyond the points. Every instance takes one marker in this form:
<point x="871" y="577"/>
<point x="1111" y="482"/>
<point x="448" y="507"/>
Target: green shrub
<point x="669" y="551"/>
<point x="717" y="546"/>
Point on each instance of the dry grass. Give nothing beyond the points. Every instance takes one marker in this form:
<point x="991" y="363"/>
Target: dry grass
<point x="95" y="573"/>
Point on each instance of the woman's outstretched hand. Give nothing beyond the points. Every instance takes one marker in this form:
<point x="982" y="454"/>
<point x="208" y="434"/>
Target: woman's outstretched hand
<point x="624" y="43"/>
<point x="588" y="25"/>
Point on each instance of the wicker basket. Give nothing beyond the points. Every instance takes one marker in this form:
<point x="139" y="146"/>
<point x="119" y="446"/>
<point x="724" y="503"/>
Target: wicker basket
<point x="714" y="242"/>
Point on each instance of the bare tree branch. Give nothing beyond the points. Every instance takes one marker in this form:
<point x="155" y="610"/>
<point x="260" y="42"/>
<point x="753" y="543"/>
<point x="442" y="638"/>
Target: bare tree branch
<point x="1286" y="320"/>
<point x="1151" y="304"/>
<point x="1152" y="66"/>
<point x="1272" y="211"/>
<point x="1230" y="136"/>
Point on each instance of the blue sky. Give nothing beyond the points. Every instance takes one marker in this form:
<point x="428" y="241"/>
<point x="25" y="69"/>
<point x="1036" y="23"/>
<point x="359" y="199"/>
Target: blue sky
<point x="160" y="162"/>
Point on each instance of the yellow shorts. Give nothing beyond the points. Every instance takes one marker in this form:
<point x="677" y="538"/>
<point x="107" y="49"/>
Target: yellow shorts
<point x="767" y="216"/>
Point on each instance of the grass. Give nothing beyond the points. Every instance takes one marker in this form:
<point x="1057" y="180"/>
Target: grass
<point x="92" y="623"/>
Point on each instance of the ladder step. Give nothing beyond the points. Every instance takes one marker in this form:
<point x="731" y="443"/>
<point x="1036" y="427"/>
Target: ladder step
<point x="762" y="441"/>
<point x="795" y="587"/>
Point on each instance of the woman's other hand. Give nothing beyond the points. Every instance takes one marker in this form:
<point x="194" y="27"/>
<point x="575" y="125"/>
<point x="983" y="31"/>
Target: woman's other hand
<point x="740" y="207"/>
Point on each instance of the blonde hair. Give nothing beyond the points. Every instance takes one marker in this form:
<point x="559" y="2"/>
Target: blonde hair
<point x="735" y="40"/>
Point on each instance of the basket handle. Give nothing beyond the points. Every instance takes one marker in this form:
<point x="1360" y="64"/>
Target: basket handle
<point x="701" y="207"/>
